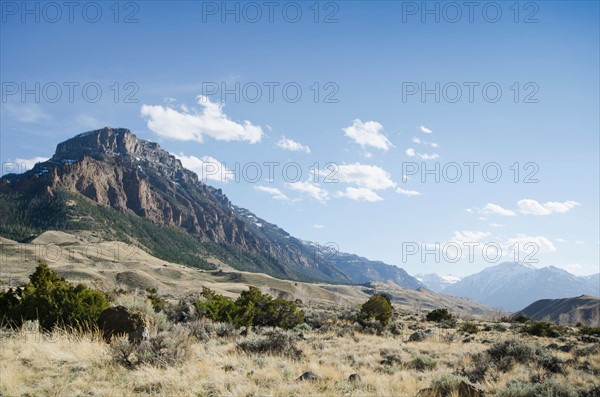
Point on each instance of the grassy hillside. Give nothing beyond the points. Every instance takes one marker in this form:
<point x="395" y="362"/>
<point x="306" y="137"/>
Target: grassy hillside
<point x="568" y="311"/>
<point x="26" y="217"/>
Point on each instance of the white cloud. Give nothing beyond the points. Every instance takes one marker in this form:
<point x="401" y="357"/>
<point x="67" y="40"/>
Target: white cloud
<point x="532" y="207"/>
<point x="24" y="165"/>
<point x="311" y="189"/>
<point x="27" y="113"/>
<point x="410" y="152"/>
<point x="485" y="243"/>
<point x="360" y="194"/>
<point x="419" y="141"/>
<point x="493" y="224"/>
<point x="291" y="145"/>
<point x="207" y="168"/>
<point x="408" y="193"/>
<point x="318" y="226"/>
<point x="425" y="130"/>
<point x="362" y="175"/>
<point x="579" y="242"/>
<point x="368" y="134"/>
<point x="275" y="193"/>
<point x="543" y="244"/>
<point x="169" y="100"/>
<point x="467" y="236"/>
<point x="560" y="240"/>
<point x="496" y="209"/>
<point x="211" y="121"/>
<point x="563" y="207"/>
<point x="426" y="156"/>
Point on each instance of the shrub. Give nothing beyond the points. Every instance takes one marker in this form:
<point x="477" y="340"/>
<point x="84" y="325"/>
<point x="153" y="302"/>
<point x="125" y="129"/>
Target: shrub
<point x="520" y="319"/>
<point x="252" y="308"/>
<point x="541" y="328"/>
<point x="371" y="326"/>
<point x="158" y="303"/>
<point x="446" y="384"/>
<point x="589" y="331"/>
<point x="396" y="328"/>
<point x="439" y="315"/>
<point x="166" y="349"/>
<point x="316" y="318"/>
<point x="480" y="366"/>
<point x="302" y="328"/>
<point x="224" y="330"/>
<point x="507" y="351"/>
<point x="469" y="328"/>
<point x="389" y="358"/>
<point x="423" y="363"/>
<point x="202" y="330"/>
<point x="274" y="342"/>
<point x="377" y="307"/>
<point x="216" y="307"/>
<point x="52" y="301"/>
<point x="551" y="388"/>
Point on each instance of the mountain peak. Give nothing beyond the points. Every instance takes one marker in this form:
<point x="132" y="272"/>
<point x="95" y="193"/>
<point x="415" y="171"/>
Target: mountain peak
<point x="100" y="143"/>
<point x="506" y="266"/>
<point x="512" y="285"/>
<point x="437" y="282"/>
<point x="120" y="145"/>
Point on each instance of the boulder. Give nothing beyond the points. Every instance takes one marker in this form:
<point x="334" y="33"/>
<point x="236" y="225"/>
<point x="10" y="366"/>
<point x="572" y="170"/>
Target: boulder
<point x="119" y="320"/>
<point x="354" y="378"/>
<point x="417" y="336"/>
<point x="308" y="376"/>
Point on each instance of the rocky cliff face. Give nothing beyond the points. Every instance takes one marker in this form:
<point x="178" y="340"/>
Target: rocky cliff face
<point x="114" y="168"/>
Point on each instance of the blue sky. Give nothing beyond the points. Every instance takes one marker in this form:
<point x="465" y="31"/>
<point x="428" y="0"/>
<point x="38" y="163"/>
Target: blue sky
<point x="161" y="68"/>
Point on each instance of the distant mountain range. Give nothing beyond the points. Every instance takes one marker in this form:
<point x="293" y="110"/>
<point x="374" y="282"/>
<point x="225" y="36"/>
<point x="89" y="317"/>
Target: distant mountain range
<point x="109" y="184"/>
<point x="512" y="286"/>
<point x="437" y="282"/>
<point x="584" y="309"/>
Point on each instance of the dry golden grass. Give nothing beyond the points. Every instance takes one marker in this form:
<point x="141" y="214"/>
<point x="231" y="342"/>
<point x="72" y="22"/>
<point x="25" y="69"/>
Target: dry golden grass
<point x="65" y="364"/>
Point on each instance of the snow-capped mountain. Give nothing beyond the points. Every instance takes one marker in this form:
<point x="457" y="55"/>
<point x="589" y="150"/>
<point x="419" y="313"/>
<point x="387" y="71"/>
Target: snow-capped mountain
<point x="513" y="286"/>
<point x="437" y="282"/>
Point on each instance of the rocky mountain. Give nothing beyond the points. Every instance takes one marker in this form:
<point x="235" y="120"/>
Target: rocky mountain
<point x="111" y="184"/>
<point x="583" y="309"/>
<point x="363" y="270"/>
<point x="512" y="286"/>
<point x="437" y="282"/>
